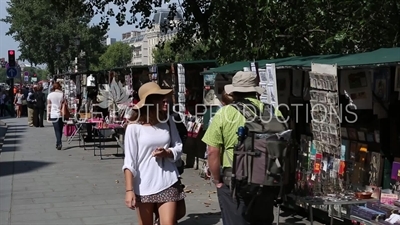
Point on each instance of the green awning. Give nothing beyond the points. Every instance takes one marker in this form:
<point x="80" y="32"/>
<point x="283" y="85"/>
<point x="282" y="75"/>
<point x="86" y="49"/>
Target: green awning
<point x="228" y="68"/>
<point x="383" y="56"/>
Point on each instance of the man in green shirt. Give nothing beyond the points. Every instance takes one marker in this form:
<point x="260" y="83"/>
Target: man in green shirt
<point x="221" y="138"/>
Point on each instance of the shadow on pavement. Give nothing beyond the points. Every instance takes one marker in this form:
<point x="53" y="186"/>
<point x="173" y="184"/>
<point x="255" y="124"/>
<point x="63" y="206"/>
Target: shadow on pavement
<point x="17" y="128"/>
<point x="292" y="220"/>
<point x="8" y="141"/>
<point x="12" y="136"/>
<point x="202" y="218"/>
<point x="17" y="167"/>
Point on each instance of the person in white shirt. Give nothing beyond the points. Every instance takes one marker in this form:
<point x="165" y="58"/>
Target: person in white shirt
<point x="54" y="103"/>
<point x="152" y="145"/>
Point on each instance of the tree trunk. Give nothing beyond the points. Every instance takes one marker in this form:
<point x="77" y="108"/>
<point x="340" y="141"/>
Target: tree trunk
<point x="51" y="68"/>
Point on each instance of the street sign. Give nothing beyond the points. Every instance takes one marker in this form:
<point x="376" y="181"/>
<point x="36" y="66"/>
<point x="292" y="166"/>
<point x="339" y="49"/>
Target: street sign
<point x="26" y="78"/>
<point x="26" y="73"/>
<point x="12" y="72"/>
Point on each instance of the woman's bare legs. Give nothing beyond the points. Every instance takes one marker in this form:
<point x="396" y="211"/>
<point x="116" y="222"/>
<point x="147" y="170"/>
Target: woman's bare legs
<point x="167" y="213"/>
<point x="180" y="210"/>
<point x="145" y="213"/>
<point x="19" y="110"/>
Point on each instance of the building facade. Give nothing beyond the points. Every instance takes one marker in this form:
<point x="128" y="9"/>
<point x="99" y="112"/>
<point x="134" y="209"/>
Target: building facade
<point x="144" y="42"/>
<point x="110" y="41"/>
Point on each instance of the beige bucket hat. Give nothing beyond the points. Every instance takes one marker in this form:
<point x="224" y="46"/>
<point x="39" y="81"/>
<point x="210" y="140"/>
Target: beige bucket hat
<point x="147" y="89"/>
<point x="244" y="82"/>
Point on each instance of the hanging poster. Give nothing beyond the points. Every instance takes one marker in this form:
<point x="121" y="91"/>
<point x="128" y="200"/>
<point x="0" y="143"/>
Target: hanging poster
<point x="271" y="85"/>
<point x="397" y="79"/>
<point x="209" y="80"/>
<point x="263" y="76"/>
<point x="324" y="96"/>
<point x="381" y="84"/>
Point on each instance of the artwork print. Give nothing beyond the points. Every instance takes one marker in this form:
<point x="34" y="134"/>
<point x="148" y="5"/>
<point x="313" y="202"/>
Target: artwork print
<point x="263" y="76"/>
<point x="209" y="80"/>
<point x="375" y="169"/>
<point x="357" y="80"/>
<point x="381" y="83"/>
<point x="270" y="75"/>
<point x="397" y="79"/>
<point x="271" y="92"/>
<point x="352" y="133"/>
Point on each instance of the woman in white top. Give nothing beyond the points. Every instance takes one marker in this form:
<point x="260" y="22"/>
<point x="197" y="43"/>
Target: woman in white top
<point x="152" y="145"/>
<point x="19" y="97"/>
<point x="54" y="102"/>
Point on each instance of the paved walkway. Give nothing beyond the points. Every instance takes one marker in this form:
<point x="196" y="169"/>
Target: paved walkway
<point x="40" y="185"/>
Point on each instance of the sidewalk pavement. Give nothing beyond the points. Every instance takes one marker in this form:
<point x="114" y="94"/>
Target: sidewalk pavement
<point x="40" y="185"/>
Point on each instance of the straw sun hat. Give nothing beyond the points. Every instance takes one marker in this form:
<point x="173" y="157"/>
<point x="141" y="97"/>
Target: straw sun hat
<point x="244" y="82"/>
<point x="147" y="89"/>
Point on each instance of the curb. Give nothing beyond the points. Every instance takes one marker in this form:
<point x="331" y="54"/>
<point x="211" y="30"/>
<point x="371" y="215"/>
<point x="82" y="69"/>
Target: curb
<point x="3" y="132"/>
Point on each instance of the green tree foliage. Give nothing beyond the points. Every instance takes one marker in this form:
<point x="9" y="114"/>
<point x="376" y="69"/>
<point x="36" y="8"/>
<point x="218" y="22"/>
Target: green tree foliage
<point x="117" y="55"/>
<point x="42" y="25"/>
<point x="165" y="53"/>
<point x="246" y="30"/>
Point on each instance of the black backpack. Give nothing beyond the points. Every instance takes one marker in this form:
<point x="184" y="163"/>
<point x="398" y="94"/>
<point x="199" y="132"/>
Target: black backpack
<point x="261" y="157"/>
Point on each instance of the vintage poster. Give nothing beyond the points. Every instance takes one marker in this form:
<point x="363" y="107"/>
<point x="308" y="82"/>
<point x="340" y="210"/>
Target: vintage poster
<point x="382" y="83"/>
<point x="209" y="80"/>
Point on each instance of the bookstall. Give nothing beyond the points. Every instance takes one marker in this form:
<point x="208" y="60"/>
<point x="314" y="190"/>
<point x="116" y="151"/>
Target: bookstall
<point x="360" y="168"/>
<point x="184" y="78"/>
<point x="344" y="110"/>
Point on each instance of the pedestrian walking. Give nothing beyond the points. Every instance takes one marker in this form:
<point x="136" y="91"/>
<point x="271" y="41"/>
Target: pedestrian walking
<point x="31" y="107"/>
<point x="54" y="103"/>
<point x="221" y="138"/>
<point x="40" y="105"/>
<point x="151" y="175"/>
<point x="19" y="97"/>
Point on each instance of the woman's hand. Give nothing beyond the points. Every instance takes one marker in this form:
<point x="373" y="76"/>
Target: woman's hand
<point x="161" y="153"/>
<point x="130" y="200"/>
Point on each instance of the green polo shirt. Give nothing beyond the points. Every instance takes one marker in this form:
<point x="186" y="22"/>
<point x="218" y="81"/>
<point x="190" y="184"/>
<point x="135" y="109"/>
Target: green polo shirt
<point x="222" y="132"/>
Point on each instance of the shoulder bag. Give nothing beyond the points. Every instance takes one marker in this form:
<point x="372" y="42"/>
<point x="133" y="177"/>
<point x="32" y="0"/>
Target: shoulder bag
<point x="64" y="111"/>
<point x="179" y="163"/>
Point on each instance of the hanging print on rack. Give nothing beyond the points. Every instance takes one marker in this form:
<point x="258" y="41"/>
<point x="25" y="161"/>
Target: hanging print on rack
<point x="381" y="83"/>
<point x="397" y="79"/>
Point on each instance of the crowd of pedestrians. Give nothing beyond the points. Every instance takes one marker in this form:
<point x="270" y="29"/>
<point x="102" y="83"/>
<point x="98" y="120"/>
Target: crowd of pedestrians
<point x="28" y="100"/>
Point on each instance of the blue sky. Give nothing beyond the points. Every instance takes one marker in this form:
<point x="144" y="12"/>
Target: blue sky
<point x="8" y="43"/>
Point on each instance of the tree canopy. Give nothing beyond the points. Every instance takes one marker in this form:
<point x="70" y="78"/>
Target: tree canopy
<point x="117" y="55"/>
<point x="165" y="53"/>
<point x="246" y="30"/>
<point x="41" y="26"/>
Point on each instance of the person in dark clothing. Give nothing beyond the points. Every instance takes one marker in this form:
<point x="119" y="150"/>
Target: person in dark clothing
<point x="30" y="99"/>
<point x="25" y="92"/>
<point x="3" y="101"/>
<point x="39" y="107"/>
